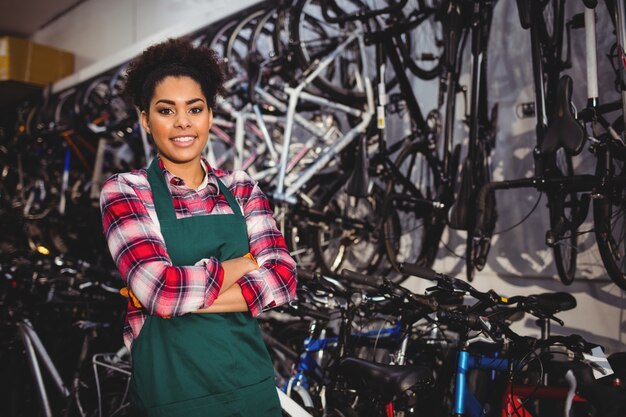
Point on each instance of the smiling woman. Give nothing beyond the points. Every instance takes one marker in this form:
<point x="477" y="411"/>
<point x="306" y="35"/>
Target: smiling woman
<point x="179" y="120"/>
<point x="188" y="238"/>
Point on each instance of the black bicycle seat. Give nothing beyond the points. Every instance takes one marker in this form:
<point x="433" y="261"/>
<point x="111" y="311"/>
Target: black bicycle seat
<point x="553" y="302"/>
<point x="385" y="380"/>
<point x="564" y="130"/>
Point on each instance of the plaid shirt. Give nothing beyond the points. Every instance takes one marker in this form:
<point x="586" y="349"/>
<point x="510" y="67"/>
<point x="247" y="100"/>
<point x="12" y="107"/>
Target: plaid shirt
<point x="134" y="237"/>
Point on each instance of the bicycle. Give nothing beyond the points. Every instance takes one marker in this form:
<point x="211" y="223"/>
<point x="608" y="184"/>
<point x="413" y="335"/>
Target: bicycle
<point x="487" y="316"/>
<point x="560" y="136"/>
<point x="336" y="356"/>
<point x="57" y="287"/>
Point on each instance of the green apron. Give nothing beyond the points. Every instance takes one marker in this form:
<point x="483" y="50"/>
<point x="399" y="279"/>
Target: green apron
<point x="201" y="365"/>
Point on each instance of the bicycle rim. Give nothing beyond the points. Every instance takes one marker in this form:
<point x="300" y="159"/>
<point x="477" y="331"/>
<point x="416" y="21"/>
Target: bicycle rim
<point x="411" y="229"/>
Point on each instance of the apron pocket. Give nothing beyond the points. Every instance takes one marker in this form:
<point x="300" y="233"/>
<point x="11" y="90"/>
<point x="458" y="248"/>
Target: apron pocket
<point x="258" y="400"/>
<point x="215" y="405"/>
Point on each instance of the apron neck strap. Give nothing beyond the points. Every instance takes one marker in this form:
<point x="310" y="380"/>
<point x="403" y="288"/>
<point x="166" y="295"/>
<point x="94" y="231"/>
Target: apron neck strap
<point x="161" y="193"/>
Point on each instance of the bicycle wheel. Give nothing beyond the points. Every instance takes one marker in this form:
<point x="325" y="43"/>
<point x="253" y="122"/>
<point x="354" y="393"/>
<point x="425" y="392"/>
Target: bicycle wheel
<point x="92" y="104"/>
<point x="348" y="238"/>
<point x="411" y="226"/>
<point x="608" y="216"/>
<point x="218" y="41"/>
<point x="238" y="45"/>
<point x="564" y="208"/>
<point x="314" y="38"/>
<point x="551" y="38"/>
<point x="477" y="249"/>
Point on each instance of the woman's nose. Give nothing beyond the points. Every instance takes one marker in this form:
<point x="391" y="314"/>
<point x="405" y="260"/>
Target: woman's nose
<point x="182" y="120"/>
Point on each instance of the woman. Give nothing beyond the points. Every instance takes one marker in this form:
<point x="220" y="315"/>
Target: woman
<point x="188" y="238"/>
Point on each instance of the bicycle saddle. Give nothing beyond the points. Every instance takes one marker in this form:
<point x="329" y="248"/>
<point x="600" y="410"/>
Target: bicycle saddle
<point x="564" y="130"/>
<point x="385" y="380"/>
<point x="553" y="302"/>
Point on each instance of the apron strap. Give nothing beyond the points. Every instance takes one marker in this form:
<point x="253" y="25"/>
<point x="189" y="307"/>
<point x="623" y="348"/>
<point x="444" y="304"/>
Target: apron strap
<point x="234" y="206"/>
<point x="160" y="193"/>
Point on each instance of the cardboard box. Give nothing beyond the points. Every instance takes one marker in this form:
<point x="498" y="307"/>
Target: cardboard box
<point x="25" y="61"/>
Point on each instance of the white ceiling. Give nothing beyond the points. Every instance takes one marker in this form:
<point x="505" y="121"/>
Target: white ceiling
<point x="22" y="18"/>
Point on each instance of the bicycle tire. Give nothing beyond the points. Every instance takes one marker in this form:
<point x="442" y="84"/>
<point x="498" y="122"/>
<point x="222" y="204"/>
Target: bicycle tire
<point x="608" y="216"/>
<point x="238" y="45"/>
<point x="564" y="206"/>
<point x="219" y="39"/>
<point x="417" y="238"/>
<point x="476" y="250"/>
<point x="263" y="38"/>
<point x="551" y="28"/>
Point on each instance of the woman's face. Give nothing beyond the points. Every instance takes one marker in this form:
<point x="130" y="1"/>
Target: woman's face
<point x="178" y="119"/>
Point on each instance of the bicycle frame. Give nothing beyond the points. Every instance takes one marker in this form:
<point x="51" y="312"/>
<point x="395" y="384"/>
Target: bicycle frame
<point x="36" y="351"/>
<point x="311" y="360"/>
<point x="465" y="403"/>
<point x="284" y="193"/>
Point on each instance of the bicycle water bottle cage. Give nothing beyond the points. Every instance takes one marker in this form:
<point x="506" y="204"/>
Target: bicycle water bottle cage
<point x="564" y="130"/>
<point x="523" y="9"/>
<point x="385" y="381"/>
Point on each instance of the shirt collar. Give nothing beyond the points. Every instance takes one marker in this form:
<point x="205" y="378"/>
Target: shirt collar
<point x="209" y="177"/>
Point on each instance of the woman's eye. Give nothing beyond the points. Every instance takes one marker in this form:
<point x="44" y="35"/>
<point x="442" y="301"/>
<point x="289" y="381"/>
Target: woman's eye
<point x="196" y="110"/>
<point x="165" y="111"/>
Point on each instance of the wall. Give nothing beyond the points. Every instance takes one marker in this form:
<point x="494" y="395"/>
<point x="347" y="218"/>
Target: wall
<point x="103" y="35"/>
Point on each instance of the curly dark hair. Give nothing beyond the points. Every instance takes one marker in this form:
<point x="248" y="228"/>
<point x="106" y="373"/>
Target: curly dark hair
<point x="177" y="58"/>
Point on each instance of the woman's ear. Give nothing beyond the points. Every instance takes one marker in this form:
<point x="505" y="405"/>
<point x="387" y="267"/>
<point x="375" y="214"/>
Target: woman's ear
<point x="144" y="121"/>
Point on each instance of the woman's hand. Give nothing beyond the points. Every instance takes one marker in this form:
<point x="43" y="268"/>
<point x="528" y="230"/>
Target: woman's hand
<point x="235" y="269"/>
<point x="229" y="301"/>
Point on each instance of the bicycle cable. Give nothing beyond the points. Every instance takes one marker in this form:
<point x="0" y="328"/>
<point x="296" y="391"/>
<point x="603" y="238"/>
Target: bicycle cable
<point x="523" y="219"/>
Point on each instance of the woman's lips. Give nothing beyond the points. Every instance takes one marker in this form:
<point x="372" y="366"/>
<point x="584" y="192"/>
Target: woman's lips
<point x="183" y="141"/>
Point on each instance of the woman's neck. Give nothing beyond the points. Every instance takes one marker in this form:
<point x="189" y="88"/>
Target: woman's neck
<point x="191" y="172"/>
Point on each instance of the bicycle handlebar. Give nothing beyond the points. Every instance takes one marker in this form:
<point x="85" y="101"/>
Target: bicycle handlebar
<point x="390" y="288"/>
<point x="540" y="305"/>
<point x="448" y="283"/>
<point x="303" y="310"/>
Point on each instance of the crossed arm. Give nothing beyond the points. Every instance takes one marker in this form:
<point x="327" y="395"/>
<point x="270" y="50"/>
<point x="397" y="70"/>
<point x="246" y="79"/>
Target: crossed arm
<point x="230" y="298"/>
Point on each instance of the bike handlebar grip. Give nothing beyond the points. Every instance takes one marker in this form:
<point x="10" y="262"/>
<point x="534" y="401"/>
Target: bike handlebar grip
<point x="472" y="321"/>
<point x="418" y="271"/>
<point x="361" y="279"/>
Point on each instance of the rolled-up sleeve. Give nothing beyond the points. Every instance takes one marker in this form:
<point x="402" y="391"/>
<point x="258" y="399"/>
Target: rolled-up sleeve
<point x="274" y="282"/>
<point x="138" y="249"/>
